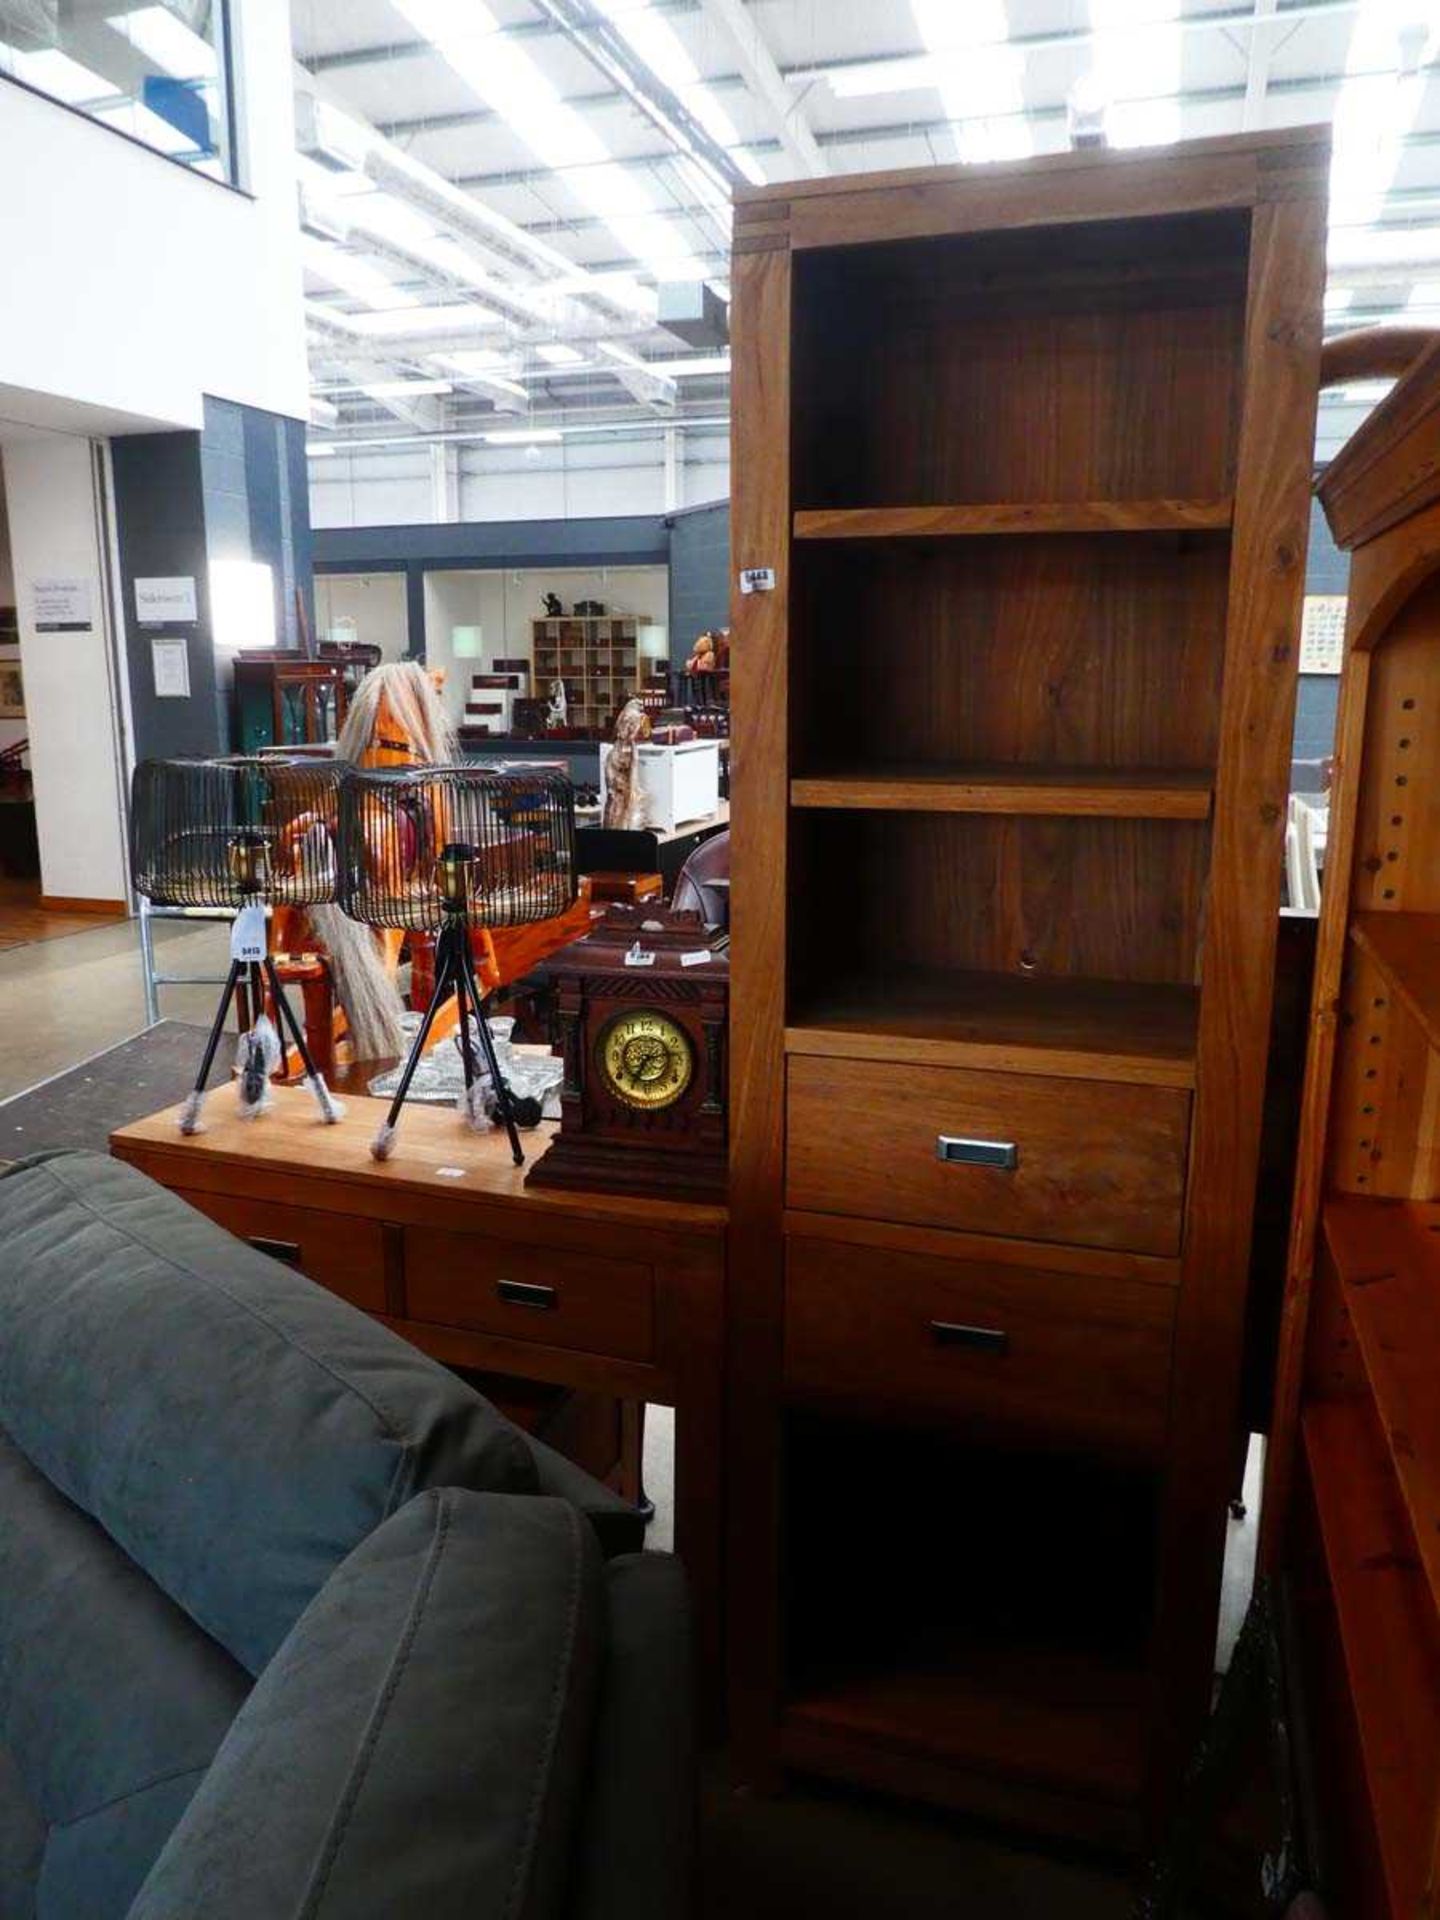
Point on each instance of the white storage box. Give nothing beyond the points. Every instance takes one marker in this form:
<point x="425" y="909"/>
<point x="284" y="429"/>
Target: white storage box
<point x="677" y="784"/>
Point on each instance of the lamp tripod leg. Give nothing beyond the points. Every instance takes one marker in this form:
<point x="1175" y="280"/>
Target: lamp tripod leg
<point x="331" y="1109"/>
<point x="383" y="1145"/>
<point x="190" y="1113"/>
<point x="472" y="1105"/>
<point x="503" y="1101"/>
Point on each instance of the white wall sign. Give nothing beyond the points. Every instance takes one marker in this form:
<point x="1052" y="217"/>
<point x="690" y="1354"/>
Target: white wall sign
<point x="170" y="659"/>
<point x="164" y="599"/>
<point x="61" y="603"/>
<point x="1322" y="633"/>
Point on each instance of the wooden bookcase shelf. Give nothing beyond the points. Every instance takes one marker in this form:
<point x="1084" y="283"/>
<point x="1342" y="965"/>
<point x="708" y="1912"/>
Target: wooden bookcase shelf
<point x="981" y="518"/>
<point x="597" y="656"/>
<point x="1087" y="1029"/>
<point x="1386" y="1627"/>
<point x="1406" y="949"/>
<point x="1137" y="793"/>
<point x="1018" y="446"/>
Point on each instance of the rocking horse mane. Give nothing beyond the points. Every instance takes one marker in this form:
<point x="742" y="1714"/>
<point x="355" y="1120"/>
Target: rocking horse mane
<point x="397" y="713"/>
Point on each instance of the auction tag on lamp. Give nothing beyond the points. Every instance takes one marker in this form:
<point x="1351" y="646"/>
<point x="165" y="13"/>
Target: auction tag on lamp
<point x="757" y="580"/>
<point x="247" y="936"/>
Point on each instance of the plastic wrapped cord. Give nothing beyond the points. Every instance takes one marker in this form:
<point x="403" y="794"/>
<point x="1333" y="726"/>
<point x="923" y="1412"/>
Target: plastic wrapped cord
<point x="383" y="1145"/>
<point x="256" y="1058"/>
<point x="475" y="1105"/>
<point x="331" y="1109"/>
<point x="190" y="1121"/>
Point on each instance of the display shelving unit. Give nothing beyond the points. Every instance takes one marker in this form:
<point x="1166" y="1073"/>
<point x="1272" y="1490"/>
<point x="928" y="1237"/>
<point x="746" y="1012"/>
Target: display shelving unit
<point x="1352" y="1497"/>
<point x="598" y="659"/>
<point x="1027" y="451"/>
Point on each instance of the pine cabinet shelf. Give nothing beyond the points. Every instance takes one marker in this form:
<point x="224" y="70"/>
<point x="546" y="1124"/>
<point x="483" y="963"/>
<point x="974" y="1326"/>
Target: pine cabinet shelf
<point x="1015" y="516"/>
<point x="1118" y="793"/>
<point x="1406" y="949"/>
<point x="1387" y="1257"/>
<point x="1089" y="1029"/>
<point x="1387" y="1645"/>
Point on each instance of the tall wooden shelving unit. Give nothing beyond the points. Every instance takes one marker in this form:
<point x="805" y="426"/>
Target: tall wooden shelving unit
<point x="1027" y="449"/>
<point x="598" y="658"/>
<point x="1352" y="1499"/>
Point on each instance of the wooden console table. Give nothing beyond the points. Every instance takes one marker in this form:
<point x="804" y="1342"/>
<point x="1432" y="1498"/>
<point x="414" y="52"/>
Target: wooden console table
<point x="444" y="1243"/>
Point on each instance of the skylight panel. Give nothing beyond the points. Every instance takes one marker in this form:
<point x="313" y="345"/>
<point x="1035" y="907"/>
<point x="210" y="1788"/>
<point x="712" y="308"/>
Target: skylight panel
<point x="357" y="277"/>
<point x="662" y="50"/>
<point x="501" y="72"/>
<point x="1137" y="69"/>
<point x="980" y="76"/>
<point x="1378" y="101"/>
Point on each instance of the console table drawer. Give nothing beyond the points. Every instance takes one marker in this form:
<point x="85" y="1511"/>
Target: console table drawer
<point x="1075" y="1358"/>
<point x="337" y="1250"/>
<point x="1093" y="1163"/>
<point x="552" y="1297"/>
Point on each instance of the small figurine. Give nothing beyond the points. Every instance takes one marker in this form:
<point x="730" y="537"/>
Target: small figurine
<point x="711" y="652"/>
<point x="624" y="801"/>
<point x="558" y="712"/>
<point x="554" y="606"/>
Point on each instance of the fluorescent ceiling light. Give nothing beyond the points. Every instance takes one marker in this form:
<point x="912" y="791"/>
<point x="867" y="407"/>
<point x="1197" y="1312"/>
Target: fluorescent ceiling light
<point x="662" y="50"/>
<point x="522" y="436"/>
<point x="691" y="369"/>
<point x="319" y="449"/>
<point x="355" y="276"/>
<point x="404" y="389"/>
<point x="1137" y="69"/>
<point x="480" y="360"/>
<point x="1400" y="247"/>
<point x="622" y="355"/>
<point x="560" y="356"/>
<point x="166" y="42"/>
<point x="980" y="76"/>
<point x="868" y="77"/>
<point x="416" y="319"/>
<point x="1337" y="299"/>
<point x="501" y="72"/>
<point x="62" y="78"/>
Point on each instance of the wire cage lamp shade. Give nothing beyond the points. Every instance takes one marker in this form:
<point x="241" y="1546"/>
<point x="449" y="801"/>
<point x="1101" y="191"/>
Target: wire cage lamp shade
<point x="420" y="846"/>
<point x="240" y="835"/>
<point x="227" y="831"/>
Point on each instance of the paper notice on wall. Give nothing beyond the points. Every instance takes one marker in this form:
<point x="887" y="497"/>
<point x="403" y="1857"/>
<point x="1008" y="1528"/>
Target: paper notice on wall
<point x="61" y="603"/>
<point x="1322" y="633"/>
<point x="170" y="660"/>
<point x="167" y="598"/>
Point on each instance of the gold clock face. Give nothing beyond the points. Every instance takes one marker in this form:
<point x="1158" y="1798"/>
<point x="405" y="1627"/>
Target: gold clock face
<point x="646" y="1059"/>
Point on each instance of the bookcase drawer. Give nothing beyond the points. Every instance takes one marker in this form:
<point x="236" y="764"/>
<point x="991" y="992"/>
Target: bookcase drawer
<point x="1052" y="1357"/>
<point x="1093" y="1163"/>
<point x="341" y="1252"/>
<point x="544" y="1295"/>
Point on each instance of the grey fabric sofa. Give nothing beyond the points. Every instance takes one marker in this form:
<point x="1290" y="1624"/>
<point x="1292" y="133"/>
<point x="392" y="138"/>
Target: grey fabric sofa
<point x="291" y="1621"/>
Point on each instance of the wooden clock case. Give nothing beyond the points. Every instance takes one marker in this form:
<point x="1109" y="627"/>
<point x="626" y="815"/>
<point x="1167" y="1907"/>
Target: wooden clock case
<point x="605" y="1141"/>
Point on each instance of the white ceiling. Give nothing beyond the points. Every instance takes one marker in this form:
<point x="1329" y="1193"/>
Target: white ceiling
<point x="517" y="104"/>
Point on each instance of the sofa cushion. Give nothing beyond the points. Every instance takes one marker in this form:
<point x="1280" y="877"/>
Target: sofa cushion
<point x="235" y="1428"/>
<point x="22" y="1843"/>
<point x="418" y="1745"/>
<point x="112" y="1705"/>
<point x="636" y="1854"/>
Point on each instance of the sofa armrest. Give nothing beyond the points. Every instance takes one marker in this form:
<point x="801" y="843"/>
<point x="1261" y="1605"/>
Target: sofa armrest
<point x="618" y="1526"/>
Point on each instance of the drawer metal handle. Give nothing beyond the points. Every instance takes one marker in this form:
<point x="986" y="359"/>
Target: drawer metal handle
<point x="286" y="1250"/>
<point x="958" y="1151"/>
<point x="950" y="1333"/>
<point x="520" y="1293"/>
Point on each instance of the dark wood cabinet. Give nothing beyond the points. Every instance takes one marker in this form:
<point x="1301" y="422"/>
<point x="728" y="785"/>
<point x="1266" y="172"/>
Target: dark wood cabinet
<point x="1025" y="451"/>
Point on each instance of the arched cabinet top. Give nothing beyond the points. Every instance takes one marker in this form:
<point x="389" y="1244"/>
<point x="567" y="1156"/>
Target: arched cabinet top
<point x="1388" y="471"/>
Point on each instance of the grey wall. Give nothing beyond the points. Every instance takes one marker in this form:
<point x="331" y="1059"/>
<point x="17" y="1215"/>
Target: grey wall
<point x="699" y="575"/>
<point x="234" y="491"/>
